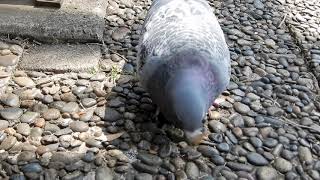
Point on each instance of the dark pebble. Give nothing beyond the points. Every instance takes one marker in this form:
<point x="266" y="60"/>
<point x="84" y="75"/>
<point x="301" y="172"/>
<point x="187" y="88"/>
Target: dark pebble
<point x="88" y="157"/>
<point x="218" y="160"/>
<point x="224" y="147"/>
<point x="256" y="142"/>
<point x="207" y="151"/>
<point x="232" y="137"/>
<point x="239" y="166"/>
<point x="218" y="138"/>
<point x="149" y="159"/>
<point x="32" y="168"/>
<point x="256" y="159"/>
<point x="270" y="142"/>
<point x="17" y="177"/>
<point x="145" y="168"/>
<point x="143" y="176"/>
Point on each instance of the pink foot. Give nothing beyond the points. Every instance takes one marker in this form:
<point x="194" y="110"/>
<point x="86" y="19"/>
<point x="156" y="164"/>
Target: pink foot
<point x="215" y="104"/>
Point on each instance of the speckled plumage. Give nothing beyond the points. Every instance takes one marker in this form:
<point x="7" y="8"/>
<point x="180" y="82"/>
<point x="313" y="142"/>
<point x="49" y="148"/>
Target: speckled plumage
<point x="179" y="34"/>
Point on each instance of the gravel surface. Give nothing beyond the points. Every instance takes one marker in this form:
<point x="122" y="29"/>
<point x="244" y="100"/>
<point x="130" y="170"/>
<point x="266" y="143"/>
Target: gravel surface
<point x="98" y="124"/>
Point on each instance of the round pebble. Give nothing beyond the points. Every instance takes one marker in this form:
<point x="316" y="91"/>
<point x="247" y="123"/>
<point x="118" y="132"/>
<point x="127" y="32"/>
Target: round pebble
<point x="79" y="126"/>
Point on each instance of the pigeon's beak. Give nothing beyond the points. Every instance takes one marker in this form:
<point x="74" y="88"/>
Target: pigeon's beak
<point x="195" y="137"/>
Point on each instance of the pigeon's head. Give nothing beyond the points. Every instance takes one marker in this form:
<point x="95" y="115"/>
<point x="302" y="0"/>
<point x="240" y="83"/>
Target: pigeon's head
<point x="189" y="101"/>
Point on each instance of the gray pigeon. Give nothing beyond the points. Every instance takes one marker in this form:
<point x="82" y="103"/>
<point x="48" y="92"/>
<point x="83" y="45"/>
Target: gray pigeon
<point x="183" y="61"/>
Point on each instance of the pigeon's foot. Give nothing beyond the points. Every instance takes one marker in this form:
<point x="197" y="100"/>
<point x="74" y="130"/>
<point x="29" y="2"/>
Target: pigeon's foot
<point x="196" y="137"/>
<point x="215" y="104"/>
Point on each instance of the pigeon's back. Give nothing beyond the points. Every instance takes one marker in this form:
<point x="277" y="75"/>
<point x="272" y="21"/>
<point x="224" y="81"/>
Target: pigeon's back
<point x="173" y="26"/>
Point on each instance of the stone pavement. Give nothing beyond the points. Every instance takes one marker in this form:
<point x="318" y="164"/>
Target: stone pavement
<point x="61" y="57"/>
<point x="76" y="20"/>
<point x="97" y="125"/>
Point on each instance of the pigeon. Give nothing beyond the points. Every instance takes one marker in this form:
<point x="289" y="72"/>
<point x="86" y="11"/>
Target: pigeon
<point x="183" y="62"/>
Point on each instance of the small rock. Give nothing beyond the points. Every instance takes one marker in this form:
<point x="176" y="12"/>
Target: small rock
<point x="181" y="175"/>
<point x="32" y="168"/>
<point x="207" y="151"/>
<point x="89" y="157"/>
<point x="241" y="108"/>
<point x="8" y="143"/>
<point x="270" y="142"/>
<point x="120" y="33"/>
<point x="149" y="159"/>
<point x="253" y="131"/>
<point x="214" y="115"/>
<point x="10" y="100"/>
<point x="145" y="168"/>
<point x="51" y="127"/>
<point x="79" y="126"/>
<point x="73" y="175"/>
<point x="11" y="113"/>
<point x="36" y="132"/>
<point x="70" y="107"/>
<point x="239" y="166"/>
<point x="115" y="103"/>
<point x="40" y="122"/>
<point x="3" y="124"/>
<point x="305" y="154"/>
<point x="42" y="149"/>
<point x="218" y="160"/>
<point x="275" y="111"/>
<point x="24" y="81"/>
<point x="256" y="142"/>
<point x="270" y="42"/>
<point x="256" y="159"/>
<point x="143" y="176"/>
<point x="51" y="114"/>
<point x="29" y="117"/>
<point x="223" y="147"/>
<point x="266" y="173"/>
<point x="217" y="126"/>
<point x="258" y="4"/>
<point x="49" y="139"/>
<point x="93" y="143"/>
<point x="108" y="114"/>
<point x="87" y="115"/>
<point x="192" y="170"/>
<point x="314" y="174"/>
<point x="66" y="157"/>
<point x="88" y="102"/>
<point x="237" y="121"/>
<point x="23" y="129"/>
<point x="68" y="97"/>
<point x="128" y="68"/>
<point x="26" y="156"/>
<point x="18" y="177"/>
<point x="282" y="165"/>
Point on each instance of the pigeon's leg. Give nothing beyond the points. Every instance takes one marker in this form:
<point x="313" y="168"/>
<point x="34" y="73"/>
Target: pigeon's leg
<point x="156" y="114"/>
<point x="217" y="101"/>
<point x="196" y="137"/>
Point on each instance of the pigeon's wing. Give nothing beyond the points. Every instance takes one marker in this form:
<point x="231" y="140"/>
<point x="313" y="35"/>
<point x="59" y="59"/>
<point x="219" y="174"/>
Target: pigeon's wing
<point x="172" y="26"/>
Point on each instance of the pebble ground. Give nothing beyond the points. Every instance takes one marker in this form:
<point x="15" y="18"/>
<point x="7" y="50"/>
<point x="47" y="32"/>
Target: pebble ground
<point x="97" y="124"/>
